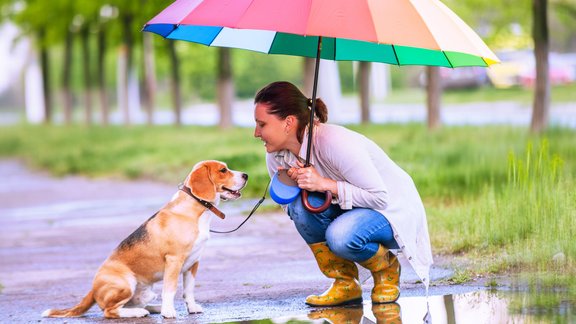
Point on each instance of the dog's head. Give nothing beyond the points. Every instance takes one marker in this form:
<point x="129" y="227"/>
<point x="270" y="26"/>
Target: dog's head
<point x="212" y="181"/>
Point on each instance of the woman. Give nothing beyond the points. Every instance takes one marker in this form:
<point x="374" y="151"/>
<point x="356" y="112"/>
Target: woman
<point x="375" y="208"/>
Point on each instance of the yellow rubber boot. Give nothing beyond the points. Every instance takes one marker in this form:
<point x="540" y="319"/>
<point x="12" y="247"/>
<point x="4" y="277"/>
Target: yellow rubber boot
<point x="387" y="313"/>
<point x="340" y="315"/>
<point x="346" y="289"/>
<point x="385" y="270"/>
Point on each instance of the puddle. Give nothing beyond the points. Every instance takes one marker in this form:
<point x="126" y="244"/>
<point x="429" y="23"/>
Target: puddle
<point x="481" y="307"/>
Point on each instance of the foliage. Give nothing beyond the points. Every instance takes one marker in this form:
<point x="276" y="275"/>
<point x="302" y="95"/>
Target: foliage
<point x="526" y="221"/>
<point x="254" y="70"/>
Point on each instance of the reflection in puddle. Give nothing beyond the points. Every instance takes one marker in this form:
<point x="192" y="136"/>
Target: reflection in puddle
<point x="482" y="307"/>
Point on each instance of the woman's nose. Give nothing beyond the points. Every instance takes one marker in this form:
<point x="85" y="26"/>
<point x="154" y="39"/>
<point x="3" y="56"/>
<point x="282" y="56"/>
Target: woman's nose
<point x="256" y="132"/>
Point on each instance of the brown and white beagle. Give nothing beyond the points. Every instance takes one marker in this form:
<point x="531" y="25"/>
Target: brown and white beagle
<point x="165" y="246"/>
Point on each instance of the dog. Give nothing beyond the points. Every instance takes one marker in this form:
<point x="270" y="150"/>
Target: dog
<point x="166" y="245"/>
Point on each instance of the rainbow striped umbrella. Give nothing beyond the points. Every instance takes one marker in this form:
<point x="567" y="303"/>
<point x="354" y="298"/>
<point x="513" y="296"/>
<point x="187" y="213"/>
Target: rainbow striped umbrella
<point x="401" y="32"/>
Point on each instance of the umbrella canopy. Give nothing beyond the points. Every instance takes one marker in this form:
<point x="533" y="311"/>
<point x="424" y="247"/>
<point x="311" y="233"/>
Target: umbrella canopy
<point x="401" y="32"/>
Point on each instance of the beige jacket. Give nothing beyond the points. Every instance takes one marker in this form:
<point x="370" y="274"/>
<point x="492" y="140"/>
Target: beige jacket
<point x="368" y="178"/>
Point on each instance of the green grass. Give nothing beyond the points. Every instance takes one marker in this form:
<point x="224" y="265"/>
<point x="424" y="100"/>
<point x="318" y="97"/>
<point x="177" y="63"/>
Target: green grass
<point x="502" y="198"/>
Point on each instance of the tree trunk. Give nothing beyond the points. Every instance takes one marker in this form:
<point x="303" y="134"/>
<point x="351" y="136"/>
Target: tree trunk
<point x="433" y="96"/>
<point x="85" y="40"/>
<point x="364" y="88"/>
<point x="104" y="104"/>
<point x="149" y="77"/>
<point x="45" y="66"/>
<point x="126" y="51"/>
<point x="175" y="76"/>
<point x="541" y="104"/>
<point x="225" y="87"/>
<point x="66" y="77"/>
<point x="309" y="66"/>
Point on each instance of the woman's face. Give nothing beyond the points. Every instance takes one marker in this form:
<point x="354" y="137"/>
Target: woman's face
<point x="270" y="129"/>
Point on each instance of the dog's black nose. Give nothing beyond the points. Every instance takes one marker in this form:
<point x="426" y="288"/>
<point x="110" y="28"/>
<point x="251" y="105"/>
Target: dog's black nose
<point x="244" y="176"/>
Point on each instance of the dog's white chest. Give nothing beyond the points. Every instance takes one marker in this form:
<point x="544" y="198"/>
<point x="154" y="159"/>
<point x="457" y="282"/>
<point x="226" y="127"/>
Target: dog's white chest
<point x="200" y="242"/>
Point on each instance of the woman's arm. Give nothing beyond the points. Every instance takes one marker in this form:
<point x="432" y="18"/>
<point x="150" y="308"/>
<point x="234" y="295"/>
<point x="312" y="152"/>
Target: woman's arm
<point x="351" y="156"/>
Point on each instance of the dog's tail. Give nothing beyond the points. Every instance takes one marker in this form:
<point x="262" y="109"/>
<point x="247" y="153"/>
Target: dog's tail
<point x="82" y="307"/>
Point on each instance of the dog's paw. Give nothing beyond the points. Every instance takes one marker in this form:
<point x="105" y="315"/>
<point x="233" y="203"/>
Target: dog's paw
<point x="168" y="312"/>
<point x="194" y="308"/>
<point x="132" y="312"/>
<point x="141" y="312"/>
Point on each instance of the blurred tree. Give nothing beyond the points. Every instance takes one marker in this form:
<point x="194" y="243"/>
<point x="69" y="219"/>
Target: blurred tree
<point x="364" y="88"/>
<point x="35" y="17"/>
<point x="106" y="13"/>
<point x="149" y="76"/>
<point x="148" y="10"/>
<point x="67" y="9"/>
<point x="175" y="81"/>
<point x="499" y="16"/>
<point x="541" y="103"/>
<point x="565" y="10"/>
<point x="225" y="87"/>
<point x="309" y="65"/>
<point x="125" y="32"/>
<point x="433" y="96"/>
<point x="86" y="60"/>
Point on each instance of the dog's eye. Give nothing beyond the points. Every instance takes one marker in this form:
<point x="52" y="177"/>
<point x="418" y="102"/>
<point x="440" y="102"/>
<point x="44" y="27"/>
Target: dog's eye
<point x="223" y="170"/>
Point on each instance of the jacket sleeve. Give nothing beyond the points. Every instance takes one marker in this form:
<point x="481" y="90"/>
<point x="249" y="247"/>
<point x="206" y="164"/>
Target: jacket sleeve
<point x="360" y="184"/>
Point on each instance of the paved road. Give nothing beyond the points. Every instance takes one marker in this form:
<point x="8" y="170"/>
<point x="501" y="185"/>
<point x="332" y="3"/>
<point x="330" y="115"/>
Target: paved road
<point x="348" y="112"/>
<point x="55" y="232"/>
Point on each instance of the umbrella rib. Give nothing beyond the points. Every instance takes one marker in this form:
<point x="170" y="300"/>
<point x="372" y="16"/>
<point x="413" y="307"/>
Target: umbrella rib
<point x="395" y="54"/>
<point x="272" y="42"/>
<point x="447" y="59"/>
<point x="335" y="48"/>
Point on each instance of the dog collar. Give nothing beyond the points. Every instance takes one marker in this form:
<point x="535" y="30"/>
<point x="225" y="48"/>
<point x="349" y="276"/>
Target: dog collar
<point x="204" y="203"/>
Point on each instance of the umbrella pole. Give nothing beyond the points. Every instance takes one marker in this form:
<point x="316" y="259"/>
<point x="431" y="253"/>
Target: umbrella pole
<point x="304" y="193"/>
<point x="313" y="108"/>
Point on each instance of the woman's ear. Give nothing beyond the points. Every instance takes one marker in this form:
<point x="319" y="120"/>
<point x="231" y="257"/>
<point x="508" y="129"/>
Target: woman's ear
<point x="290" y="122"/>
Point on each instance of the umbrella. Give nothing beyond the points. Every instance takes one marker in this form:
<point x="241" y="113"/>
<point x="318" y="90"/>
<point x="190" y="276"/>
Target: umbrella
<point x="400" y="32"/>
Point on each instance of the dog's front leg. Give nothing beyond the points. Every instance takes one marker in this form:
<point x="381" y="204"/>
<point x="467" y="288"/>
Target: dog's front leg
<point x="171" y="272"/>
<point x="189" y="278"/>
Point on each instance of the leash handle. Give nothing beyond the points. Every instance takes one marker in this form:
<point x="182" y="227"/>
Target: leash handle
<point x="320" y="208"/>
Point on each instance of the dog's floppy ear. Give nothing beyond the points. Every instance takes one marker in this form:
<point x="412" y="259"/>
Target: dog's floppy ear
<point x="201" y="184"/>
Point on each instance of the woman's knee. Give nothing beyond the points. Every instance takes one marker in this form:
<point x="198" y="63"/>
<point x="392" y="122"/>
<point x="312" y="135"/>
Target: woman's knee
<point x="342" y="242"/>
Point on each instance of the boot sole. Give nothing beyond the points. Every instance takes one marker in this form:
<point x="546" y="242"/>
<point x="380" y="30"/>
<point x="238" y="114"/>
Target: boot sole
<point x="356" y="301"/>
<point x="384" y="302"/>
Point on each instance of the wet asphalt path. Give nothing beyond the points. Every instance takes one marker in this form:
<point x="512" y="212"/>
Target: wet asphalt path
<point x="55" y="232"/>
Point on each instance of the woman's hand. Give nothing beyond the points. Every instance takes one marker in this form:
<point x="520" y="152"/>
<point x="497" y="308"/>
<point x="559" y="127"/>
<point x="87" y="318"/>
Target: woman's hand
<point x="309" y="179"/>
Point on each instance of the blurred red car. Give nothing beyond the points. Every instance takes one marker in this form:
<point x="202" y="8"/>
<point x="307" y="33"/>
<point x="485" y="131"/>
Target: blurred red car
<point x="518" y="68"/>
<point x="560" y="71"/>
<point x="460" y="78"/>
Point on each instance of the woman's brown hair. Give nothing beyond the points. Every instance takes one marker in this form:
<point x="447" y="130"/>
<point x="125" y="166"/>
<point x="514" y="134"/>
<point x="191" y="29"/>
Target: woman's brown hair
<point x="285" y="99"/>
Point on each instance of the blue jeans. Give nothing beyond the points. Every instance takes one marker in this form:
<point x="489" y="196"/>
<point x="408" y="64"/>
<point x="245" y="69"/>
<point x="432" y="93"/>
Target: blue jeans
<point x="353" y="234"/>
